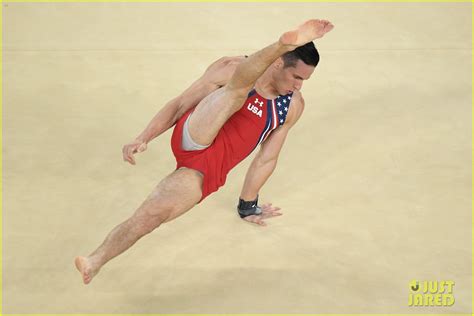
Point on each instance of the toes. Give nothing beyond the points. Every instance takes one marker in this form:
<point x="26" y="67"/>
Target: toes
<point x="87" y="278"/>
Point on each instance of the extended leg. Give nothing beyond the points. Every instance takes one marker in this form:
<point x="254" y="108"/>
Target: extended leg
<point x="214" y="110"/>
<point x="175" y="195"/>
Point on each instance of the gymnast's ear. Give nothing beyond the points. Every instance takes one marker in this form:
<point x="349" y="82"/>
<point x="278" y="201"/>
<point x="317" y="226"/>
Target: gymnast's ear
<point x="278" y="64"/>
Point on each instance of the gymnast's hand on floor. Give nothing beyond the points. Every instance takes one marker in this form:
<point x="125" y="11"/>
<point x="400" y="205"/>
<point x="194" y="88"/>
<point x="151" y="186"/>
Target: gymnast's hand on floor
<point x="137" y="146"/>
<point x="267" y="211"/>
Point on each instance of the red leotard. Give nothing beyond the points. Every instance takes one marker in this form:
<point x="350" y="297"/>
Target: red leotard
<point x="238" y="137"/>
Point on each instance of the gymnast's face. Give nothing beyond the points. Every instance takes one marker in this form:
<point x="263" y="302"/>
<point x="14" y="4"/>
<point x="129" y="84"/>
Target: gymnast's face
<point x="289" y="79"/>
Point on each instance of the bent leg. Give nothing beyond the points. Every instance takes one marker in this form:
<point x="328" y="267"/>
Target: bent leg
<point x="173" y="196"/>
<point x="214" y="110"/>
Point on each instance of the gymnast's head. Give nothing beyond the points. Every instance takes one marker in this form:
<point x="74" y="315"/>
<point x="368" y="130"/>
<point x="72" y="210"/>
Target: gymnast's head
<point x="291" y="69"/>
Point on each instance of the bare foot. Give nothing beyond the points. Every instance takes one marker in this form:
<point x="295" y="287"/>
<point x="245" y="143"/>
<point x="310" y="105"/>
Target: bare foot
<point x="306" y="32"/>
<point x="84" y="266"/>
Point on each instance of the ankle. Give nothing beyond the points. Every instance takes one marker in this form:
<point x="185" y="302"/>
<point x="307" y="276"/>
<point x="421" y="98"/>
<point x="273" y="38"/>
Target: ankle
<point x="284" y="46"/>
<point x="95" y="262"/>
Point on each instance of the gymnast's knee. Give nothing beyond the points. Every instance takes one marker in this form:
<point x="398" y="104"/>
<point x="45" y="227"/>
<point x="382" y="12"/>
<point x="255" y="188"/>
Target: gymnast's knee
<point x="236" y="88"/>
<point x="152" y="217"/>
<point x="236" y="97"/>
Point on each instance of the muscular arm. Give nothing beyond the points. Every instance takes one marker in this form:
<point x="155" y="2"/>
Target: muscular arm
<point x="215" y="76"/>
<point x="266" y="159"/>
<point x="175" y="108"/>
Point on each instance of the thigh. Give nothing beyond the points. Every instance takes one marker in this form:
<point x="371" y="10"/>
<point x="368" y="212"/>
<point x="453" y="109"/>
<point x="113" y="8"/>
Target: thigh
<point x="174" y="195"/>
<point x="212" y="112"/>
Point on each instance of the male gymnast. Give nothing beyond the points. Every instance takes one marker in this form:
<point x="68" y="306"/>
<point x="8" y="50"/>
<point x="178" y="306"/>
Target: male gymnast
<point x="237" y="104"/>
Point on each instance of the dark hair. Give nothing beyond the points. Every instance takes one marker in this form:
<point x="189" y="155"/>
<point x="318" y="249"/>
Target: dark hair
<point x="307" y="53"/>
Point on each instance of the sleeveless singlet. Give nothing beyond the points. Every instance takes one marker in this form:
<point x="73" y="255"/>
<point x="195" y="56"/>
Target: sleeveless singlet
<point x="238" y="137"/>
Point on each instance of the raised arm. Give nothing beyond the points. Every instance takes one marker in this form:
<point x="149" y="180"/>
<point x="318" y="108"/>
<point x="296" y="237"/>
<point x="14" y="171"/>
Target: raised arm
<point x="266" y="159"/>
<point x="215" y="76"/>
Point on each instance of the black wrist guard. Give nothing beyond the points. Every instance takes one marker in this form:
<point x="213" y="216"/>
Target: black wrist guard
<point x="247" y="208"/>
